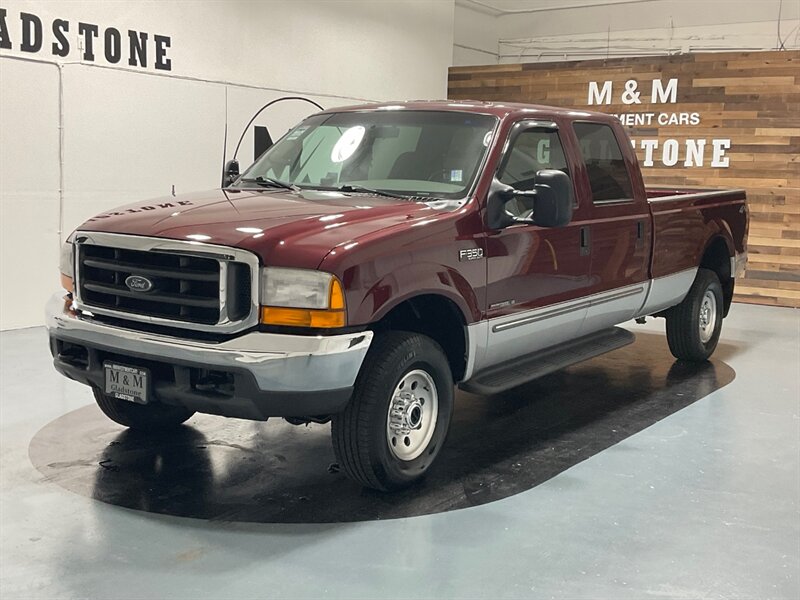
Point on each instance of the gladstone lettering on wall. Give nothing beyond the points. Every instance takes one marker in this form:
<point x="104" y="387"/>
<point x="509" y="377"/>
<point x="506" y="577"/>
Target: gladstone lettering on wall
<point x="691" y="152"/>
<point x="90" y="41"/>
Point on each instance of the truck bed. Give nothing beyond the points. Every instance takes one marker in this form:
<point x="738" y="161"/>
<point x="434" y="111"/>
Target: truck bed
<point x="684" y="218"/>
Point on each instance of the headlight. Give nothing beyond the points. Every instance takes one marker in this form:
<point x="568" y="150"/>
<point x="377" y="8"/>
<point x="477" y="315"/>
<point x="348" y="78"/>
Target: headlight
<point x="66" y="264"/>
<point x="301" y="298"/>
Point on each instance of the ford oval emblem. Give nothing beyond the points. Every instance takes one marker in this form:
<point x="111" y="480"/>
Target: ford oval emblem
<point x="137" y="283"/>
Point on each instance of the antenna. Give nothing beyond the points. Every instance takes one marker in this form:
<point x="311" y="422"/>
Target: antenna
<point x="260" y="110"/>
<point x="225" y="136"/>
<point x="233" y="164"/>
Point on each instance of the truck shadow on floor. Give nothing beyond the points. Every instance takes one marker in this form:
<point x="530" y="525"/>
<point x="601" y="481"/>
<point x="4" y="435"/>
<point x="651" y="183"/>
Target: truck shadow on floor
<point x="240" y="471"/>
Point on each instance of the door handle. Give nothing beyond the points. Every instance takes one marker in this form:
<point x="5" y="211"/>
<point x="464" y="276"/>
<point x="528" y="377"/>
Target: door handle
<point x="585" y="241"/>
<point x="639" y="233"/>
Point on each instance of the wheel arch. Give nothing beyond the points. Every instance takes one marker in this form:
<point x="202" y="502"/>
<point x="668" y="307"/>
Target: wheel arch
<point x="717" y="258"/>
<point x="435" y="315"/>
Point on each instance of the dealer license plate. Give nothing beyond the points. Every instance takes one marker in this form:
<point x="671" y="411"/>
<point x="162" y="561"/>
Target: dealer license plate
<point x="127" y="383"/>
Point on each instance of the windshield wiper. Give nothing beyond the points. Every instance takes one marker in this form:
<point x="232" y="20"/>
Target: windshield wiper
<point x="365" y="190"/>
<point x="270" y="182"/>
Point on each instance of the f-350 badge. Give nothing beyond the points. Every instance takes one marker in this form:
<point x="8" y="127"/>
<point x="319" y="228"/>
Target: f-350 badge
<point x="470" y="254"/>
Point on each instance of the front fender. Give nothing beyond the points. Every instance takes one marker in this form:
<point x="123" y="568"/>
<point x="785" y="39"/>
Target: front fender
<point x="413" y="280"/>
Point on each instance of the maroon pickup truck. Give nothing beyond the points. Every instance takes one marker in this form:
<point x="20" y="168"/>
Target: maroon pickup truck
<point x="377" y="256"/>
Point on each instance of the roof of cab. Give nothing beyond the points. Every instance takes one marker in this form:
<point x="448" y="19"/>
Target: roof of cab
<point x="499" y="109"/>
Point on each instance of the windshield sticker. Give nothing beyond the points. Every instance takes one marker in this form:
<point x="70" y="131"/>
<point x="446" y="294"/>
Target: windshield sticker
<point x="347" y="144"/>
<point x="487" y="139"/>
<point x="456" y="175"/>
<point x="297" y="133"/>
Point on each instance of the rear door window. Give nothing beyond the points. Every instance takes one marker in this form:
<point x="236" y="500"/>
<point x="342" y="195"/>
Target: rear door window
<point x="608" y="175"/>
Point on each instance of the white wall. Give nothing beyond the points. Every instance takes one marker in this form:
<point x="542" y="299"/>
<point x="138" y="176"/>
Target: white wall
<point x="29" y="183"/>
<point x="549" y="30"/>
<point x="131" y="133"/>
<point x="475" y="36"/>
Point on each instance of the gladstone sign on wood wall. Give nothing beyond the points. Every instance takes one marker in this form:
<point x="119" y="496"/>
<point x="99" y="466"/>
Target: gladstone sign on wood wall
<point x="712" y="119"/>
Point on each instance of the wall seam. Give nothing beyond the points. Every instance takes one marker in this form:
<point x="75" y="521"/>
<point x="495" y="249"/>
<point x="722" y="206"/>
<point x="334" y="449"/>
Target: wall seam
<point x="184" y="78"/>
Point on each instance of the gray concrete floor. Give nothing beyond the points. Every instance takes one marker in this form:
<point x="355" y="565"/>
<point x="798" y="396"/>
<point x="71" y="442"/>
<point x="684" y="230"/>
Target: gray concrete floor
<point x="703" y="504"/>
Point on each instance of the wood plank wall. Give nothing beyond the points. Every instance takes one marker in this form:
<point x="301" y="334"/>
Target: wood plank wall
<point x="751" y="98"/>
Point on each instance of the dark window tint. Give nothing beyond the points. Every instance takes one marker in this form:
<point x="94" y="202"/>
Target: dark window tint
<point x="608" y="175"/>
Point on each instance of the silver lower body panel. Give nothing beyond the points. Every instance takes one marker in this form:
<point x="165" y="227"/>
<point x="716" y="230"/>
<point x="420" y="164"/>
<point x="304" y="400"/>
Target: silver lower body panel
<point x="499" y="340"/>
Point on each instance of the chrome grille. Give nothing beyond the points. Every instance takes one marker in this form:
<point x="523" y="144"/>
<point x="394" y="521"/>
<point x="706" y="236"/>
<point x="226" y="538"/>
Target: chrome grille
<point x="196" y="286"/>
<point x="185" y="288"/>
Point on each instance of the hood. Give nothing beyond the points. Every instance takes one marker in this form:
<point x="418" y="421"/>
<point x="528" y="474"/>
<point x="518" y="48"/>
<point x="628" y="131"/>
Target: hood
<point x="283" y="228"/>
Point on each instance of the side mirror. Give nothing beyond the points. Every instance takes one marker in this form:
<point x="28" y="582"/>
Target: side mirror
<point x="496" y="215"/>
<point x="552" y="205"/>
<point x="552" y="201"/>
<point x="231" y="172"/>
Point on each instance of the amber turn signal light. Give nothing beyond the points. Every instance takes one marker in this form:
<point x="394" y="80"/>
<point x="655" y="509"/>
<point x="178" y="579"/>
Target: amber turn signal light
<point x="336" y="296"/>
<point x="66" y="283"/>
<point x="302" y="317"/>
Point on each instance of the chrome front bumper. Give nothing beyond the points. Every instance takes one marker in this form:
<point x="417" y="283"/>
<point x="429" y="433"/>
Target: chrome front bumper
<point x="278" y="363"/>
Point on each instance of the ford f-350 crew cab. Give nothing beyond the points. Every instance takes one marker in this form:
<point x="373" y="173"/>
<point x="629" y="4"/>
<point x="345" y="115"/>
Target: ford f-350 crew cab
<point x="377" y="255"/>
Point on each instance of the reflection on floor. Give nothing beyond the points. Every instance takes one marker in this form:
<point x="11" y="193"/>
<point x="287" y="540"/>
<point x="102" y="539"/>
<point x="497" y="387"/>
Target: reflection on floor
<point x="233" y="470"/>
<point x="626" y="478"/>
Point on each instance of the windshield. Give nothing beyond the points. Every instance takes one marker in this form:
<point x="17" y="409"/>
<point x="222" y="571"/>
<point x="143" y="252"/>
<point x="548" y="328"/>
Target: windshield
<point x="415" y="153"/>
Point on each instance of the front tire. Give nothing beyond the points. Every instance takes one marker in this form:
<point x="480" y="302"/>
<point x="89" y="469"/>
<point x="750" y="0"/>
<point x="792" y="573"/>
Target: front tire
<point x="141" y="417"/>
<point x="694" y="325"/>
<point x="397" y="420"/>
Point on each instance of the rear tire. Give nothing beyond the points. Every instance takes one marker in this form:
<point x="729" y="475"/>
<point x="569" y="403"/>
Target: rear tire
<point x="694" y="325"/>
<point x="397" y="420"/>
<point x="142" y="417"/>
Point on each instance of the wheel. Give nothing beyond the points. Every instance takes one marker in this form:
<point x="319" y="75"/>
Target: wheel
<point x="397" y="420"/>
<point x="144" y="417"/>
<point x="694" y="325"/>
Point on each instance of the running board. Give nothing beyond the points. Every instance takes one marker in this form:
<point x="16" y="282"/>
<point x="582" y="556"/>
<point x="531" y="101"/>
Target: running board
<point x="522" y="370"/>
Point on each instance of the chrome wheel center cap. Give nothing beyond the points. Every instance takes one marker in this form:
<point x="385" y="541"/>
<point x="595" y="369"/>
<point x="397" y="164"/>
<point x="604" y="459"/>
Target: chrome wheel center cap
<point x="405" y="414"/>
<point x="707" y="317"/>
